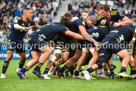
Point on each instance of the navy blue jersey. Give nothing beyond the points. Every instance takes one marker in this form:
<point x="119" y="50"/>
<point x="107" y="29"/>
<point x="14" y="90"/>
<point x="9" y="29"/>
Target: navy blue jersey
<point x="17" y="34"/>
<point x="79" y="22"/>
<point x="98" y="32"/>
<point x="98" y="17"/>
<point x="64" y="38"/>
<point x="121" y="33"/>
<point x="115" y="16"/>
<point x="50" y="31"/>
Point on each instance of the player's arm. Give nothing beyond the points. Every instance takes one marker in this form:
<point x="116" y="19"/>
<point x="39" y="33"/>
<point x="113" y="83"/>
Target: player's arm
<point x="36" y="26"/>
<point x="74" y="35"/>
<point x="21" y="28"/>
<point x="86" y="35"/>
<point x="125" y="21"/>
<point x="107" y="23"/>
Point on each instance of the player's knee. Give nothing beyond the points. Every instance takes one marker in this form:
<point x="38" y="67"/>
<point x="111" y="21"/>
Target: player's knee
<point x="64" y="59"/>
<point x="65" y="56"/>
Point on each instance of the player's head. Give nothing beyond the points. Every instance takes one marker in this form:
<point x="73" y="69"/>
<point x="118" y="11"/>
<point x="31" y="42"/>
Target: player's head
<point x="91" y="20"/>
<point x="66" y="19"/>
<point x="68" y="15"/>
<point x="84" y="14"/>
<point x="28" y="13"/>
<point x="98" y="8"/>
<point x="104" y="9"/>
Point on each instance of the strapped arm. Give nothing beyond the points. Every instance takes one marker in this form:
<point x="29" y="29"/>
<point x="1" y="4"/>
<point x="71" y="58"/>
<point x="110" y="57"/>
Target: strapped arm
<point x="18" y="27"/>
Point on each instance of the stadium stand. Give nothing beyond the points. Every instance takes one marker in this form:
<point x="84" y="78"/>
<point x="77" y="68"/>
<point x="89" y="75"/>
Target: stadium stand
<point x="44" y="12"/>
<point x="89" y="5"/>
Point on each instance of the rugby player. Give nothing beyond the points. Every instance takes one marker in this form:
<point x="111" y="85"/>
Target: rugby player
<point x="15" y="40"/>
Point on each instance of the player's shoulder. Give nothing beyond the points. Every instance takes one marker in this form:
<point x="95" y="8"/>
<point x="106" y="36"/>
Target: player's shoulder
<point x="17" y="19"/>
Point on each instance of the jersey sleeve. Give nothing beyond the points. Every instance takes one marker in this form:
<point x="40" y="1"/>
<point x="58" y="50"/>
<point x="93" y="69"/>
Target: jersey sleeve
<point x="64" y="29"/>
<point x="32" y="23"/>
<point x="120" y="16"/>
<point x="99" y="18"/>
<point x="80" y="22"/>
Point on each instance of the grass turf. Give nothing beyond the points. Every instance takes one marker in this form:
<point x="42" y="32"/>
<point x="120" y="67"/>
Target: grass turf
<point x="13" y="83"/>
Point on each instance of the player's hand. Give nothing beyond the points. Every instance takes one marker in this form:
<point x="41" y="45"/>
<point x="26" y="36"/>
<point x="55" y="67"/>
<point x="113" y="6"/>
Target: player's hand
<point x="103" y="22"/>
<point x="97" y="44"/>
<point x="116" y="24"/>
<point x="27" y="28"/>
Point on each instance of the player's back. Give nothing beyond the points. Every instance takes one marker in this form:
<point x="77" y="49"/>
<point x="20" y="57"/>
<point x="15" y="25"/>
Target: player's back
<point x="98" y="32"/>
<point x="76" y="23"/>
<point x="124" y="33"/>
<point x="49" y="31"/>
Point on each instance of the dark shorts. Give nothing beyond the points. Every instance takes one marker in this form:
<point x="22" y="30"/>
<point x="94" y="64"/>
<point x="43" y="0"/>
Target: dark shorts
<point x="17" y="45"/>
<point x="110" y="46"/>
<point x="34" y="44"/>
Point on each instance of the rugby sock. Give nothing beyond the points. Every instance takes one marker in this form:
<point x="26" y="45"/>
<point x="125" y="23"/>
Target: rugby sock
<point x="90" y="70"/>
<point x="5" y="66"/>
<point x="123" y="69"/>
<point x="46" y="71"/>
<point x="21" y="64"/>
<point x="63" y="68"/>
<point x="133" y="70"/>
<point x="38" y="66"/>
<point x="111" y="68"/>
<point x="76" y="73"/>
<point x="54" y="64"/>
<point x="74" y="66"/>
<point x="25" y="69"/>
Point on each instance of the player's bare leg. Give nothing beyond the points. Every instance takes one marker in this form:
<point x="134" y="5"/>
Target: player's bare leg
<point x="6" y="63"/>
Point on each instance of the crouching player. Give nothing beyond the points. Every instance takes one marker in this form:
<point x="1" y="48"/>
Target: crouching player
<point x="112" y="44"/>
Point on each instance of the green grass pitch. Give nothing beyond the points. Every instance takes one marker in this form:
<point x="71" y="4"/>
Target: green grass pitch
<point x="13" y="83"/>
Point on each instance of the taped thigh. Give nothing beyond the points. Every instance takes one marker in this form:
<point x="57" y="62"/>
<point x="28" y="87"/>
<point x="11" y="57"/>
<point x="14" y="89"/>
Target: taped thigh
<point x="53" y="57"/>
<point x="85" y="49"/>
